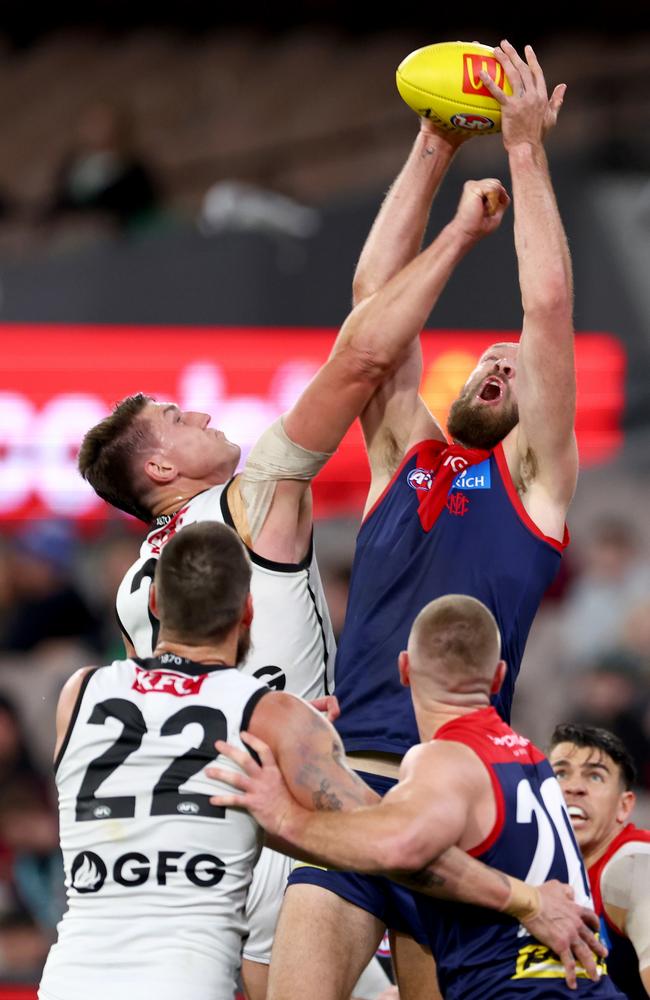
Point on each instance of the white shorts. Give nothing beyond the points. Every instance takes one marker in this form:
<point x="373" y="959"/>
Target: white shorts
<point x="263" y="904"/>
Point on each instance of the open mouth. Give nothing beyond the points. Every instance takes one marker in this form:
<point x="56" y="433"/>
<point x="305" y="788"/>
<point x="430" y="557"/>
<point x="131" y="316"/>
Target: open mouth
<point x="492" y="390"/>
<point x="575" y="812"/>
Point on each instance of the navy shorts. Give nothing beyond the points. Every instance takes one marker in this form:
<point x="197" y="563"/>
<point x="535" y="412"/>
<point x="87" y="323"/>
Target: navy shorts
<point x="389" y="902"/>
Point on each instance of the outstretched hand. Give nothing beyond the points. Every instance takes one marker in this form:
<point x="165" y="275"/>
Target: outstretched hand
<point x="263" y="791"/>
<point x="568" y="930"/>
<point x="528" y="113"/>
<point x="482" y="207"/>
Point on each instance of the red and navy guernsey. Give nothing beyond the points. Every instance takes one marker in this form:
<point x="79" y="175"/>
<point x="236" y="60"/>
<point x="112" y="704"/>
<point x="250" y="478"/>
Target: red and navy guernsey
<point x="482" y="543"/>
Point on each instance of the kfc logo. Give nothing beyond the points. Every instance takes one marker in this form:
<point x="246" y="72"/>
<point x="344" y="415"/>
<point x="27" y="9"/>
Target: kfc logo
<point x="164" y="682"/>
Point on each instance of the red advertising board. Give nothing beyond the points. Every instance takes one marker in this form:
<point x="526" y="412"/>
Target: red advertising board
<point x="57" y="381"/>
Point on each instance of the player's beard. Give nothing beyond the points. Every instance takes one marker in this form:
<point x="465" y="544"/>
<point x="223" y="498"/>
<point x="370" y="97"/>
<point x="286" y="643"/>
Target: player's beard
<point x="478" y="426"/>
<point x="243" y="646"/>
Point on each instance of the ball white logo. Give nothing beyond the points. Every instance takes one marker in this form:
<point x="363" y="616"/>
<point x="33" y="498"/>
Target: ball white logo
<point x="476" y="123"/>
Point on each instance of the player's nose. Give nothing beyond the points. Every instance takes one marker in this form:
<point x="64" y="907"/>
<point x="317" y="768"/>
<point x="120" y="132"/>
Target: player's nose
<point x="574" y="788"/>
<point x="504" y="368"/>
<point x="199" y="419"/>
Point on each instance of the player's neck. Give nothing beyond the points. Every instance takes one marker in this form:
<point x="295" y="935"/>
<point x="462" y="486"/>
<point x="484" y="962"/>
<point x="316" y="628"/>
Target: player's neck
<point x="435" y="714"/>
<point x="209" y="653"/>
<point x="169" y="500"/>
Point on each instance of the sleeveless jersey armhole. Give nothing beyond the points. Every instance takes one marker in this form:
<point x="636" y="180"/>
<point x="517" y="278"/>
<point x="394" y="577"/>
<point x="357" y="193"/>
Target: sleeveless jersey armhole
<point x="73" y="717"/>
<point x="499" y="803"/>
<point x="304" y="563"/>
<point x="409" y="455"/>
<point x="122" y="628"/>
<point x="249" y="708"/>
<point x="520" y="510"/>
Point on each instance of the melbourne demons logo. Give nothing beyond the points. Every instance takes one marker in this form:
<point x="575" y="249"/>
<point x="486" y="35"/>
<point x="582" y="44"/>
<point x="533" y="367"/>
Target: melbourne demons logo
<point x="457" y="504"/>
<point x="420" y="479"/>
<point x="472" y="66"/>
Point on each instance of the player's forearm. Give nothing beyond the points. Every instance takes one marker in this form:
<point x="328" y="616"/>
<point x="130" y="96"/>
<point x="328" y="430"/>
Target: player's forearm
<point x="372" y="839"/>
<point x="456" y="875"/>
<point x="545" y="274"/>
<point x="376" y="840"/>
<point x="385" y="325"/>
<point x="397" y="233"/>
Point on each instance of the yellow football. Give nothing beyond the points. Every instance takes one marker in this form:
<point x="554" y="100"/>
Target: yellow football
<point x="442" y="82"/>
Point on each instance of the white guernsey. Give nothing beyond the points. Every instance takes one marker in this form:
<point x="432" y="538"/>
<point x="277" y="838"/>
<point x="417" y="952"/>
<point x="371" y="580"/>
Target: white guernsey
<point x="156" y="877"/>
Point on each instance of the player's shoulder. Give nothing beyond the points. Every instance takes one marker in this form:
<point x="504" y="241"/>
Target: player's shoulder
<point x="631" y="840"/>
<point x="442" y="757"/>
<point x="74" y="684"/>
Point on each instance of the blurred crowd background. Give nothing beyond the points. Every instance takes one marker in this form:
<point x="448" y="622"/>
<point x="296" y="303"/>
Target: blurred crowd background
<point x="191" y="168"/>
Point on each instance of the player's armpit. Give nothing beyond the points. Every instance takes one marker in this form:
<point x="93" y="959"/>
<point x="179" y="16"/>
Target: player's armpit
<point x="396" y="418"/>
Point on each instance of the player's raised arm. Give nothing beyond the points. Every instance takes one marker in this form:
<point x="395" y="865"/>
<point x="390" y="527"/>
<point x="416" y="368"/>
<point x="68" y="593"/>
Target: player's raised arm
<point x="378" y="331"/>
<point x="397" y="232"/>
<point x="546" y="368"/>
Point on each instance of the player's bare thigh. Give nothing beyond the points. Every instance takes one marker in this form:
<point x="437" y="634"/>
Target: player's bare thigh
<point x="255" y="978"/>
<point x="322" y="944"/>
<point x="415" y="968"/>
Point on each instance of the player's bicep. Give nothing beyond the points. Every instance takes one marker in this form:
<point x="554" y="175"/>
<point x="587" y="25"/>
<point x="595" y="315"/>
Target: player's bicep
<point x="626" y="892"/>
<point x="310" y="754"/>
<point x="435" y="809"/>
<point x="546" y="394"/>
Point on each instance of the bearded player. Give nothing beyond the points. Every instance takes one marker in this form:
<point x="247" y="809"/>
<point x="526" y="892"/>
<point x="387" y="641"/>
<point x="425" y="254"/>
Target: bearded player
<point x="484" y="515"/>
<point x="171" y="468"/>
<point x="596" y="774"/>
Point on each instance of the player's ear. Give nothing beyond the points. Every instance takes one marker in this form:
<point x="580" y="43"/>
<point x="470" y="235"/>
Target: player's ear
<point x="404" y="668"/>
<point x="247" y="616"/>
<point x="153" y="600"/>
<point x="626" y="804"/>
<point x="159" y="470"/>
<point x="499" y="677"/>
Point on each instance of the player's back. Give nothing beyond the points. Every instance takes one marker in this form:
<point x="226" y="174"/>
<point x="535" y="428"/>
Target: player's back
<point x="156" y="876"/>
<point x="292" y="643"/>
<point x="482" y="544"/>
<point x="481" y="953"/>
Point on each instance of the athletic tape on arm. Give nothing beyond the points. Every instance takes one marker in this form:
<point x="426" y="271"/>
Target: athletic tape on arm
<point x="625" y="883"/>
<point x="273" y="458"/>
